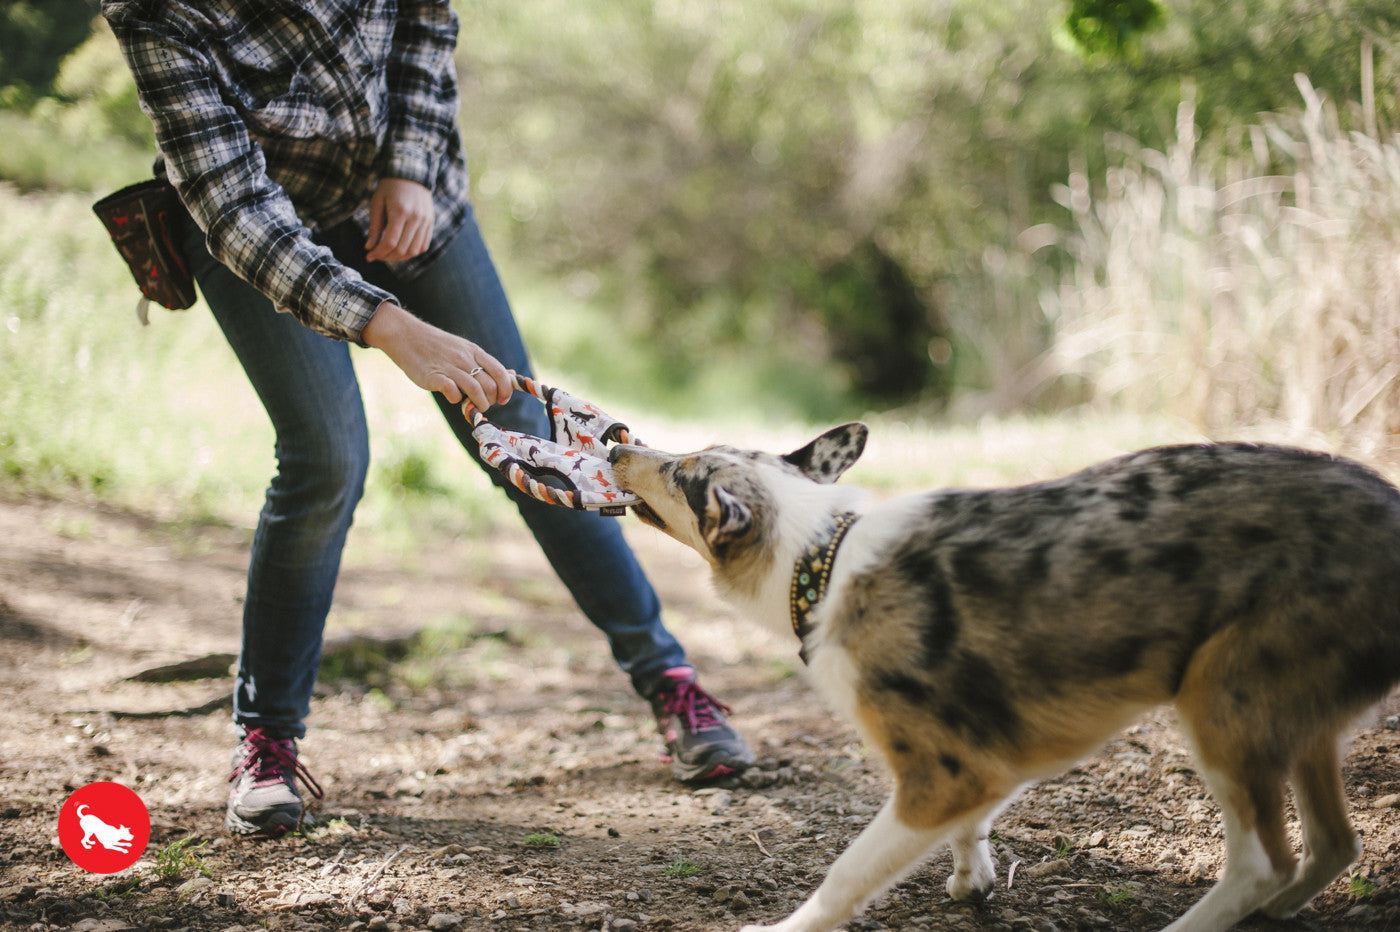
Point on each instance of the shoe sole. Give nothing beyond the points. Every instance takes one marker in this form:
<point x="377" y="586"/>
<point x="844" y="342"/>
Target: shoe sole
<point x="711" y="768"/>
<point x="273" y="823"/>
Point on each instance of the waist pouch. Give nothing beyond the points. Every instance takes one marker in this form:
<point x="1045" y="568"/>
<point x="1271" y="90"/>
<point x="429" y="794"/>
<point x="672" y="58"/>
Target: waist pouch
<point x="140" y="219"/>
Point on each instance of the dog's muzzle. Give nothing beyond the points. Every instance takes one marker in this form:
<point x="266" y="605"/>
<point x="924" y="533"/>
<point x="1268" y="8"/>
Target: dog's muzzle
<point x="618" y="454"/>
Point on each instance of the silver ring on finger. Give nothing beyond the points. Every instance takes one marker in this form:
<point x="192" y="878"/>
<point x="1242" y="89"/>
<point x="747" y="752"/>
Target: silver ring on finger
<point x="476" y="370"/>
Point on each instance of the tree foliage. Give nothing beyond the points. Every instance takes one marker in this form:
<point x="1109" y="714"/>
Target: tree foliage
<point x="862" y="182"/>
<point x="868" y="187"/>
<point x="80" y="125"/>
<point x="1112" y="27"/>
<point x="34" y="37"/>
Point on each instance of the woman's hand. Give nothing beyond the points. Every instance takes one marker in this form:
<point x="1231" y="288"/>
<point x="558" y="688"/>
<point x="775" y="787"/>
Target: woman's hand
<point x="437" y="360"/>
<point x="400" y="221"/>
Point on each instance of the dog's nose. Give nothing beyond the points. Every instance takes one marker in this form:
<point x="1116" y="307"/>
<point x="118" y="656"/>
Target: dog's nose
<point x="622" y="451"/>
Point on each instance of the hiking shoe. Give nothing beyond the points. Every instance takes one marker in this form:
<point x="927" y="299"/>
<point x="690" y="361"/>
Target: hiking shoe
<point x="700" y="743"/>
<point x="264" y="799"/>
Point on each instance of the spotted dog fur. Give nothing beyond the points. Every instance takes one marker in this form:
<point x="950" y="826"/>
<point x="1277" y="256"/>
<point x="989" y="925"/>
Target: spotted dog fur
<point x="983" y="639"/>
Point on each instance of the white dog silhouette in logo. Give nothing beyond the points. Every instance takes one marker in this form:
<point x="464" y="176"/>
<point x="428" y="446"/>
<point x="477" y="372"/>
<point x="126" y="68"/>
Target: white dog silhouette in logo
<point x="111" y="837"/>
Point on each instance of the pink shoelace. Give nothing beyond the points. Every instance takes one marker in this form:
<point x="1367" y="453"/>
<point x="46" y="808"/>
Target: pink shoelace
<point x="694" y="706"/>
<point x="270" y="760"/>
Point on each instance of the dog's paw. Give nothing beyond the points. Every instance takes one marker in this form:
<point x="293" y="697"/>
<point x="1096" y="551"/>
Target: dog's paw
<point x="964" y="890"/>
<point x="974" y="882"/>
<point x="1286" y="904"/>
<point x="790" y="924"/>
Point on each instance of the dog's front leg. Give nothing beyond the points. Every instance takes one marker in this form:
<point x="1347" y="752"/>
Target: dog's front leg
<point x="973" y="870"/>
<point x="878" y="857"/>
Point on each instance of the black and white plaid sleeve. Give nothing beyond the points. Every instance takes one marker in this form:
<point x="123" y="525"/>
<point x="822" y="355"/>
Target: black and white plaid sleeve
<point x="219" y="173"/>
<point x="422" y="91"/>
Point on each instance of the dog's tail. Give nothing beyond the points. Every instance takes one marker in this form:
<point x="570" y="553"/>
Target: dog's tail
<point x="80" y="810"/>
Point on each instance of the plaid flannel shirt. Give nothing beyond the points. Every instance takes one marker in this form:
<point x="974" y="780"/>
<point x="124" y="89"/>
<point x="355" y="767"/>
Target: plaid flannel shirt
<point x="278" y="118"/>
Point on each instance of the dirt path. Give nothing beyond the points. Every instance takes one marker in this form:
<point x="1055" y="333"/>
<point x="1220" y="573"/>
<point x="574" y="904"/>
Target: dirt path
<point x="508" y="779"/>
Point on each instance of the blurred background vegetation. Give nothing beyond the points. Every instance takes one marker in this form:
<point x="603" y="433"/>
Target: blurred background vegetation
<point x="927" y="210"/>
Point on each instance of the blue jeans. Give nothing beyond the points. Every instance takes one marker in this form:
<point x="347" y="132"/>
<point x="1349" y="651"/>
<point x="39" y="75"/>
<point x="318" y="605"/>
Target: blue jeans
<point x="307" y="384"/>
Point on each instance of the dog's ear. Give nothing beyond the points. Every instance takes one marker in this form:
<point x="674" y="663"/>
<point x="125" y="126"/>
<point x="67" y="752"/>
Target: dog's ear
<point x="826" y="458"/>
<point x="726" y="520"/>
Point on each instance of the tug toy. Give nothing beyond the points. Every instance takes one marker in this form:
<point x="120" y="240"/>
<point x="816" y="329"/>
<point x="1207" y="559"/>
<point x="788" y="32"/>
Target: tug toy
<point x="571" y="468"/>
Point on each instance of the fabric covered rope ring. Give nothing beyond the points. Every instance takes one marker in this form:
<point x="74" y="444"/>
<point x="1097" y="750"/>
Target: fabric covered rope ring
<point x="571" y="468"/>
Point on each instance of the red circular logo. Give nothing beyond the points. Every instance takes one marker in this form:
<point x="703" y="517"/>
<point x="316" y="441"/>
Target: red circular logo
<point x="104" y="827"/>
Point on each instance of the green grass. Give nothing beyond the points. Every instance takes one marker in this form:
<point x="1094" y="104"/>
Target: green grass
<point x="161" y="418"/>
<point x="580" y="344"/>
<point x="446" y="652"/>
<point x="1359" y="887"/>
<point x="684" y="867"/>
<point x="44" y="152"/>
<point x="92" y="401"/>
<point x="542" y="840"/>
<point x="179" y="858"/>
<point x="332" y="827"/>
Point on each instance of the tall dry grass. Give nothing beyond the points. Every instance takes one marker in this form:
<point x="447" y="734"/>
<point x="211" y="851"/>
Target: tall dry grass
<point x="1254" y="292"/>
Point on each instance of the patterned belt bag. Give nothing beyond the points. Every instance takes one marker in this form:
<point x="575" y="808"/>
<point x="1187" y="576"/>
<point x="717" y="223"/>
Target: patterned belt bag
<point x="139" y="218"/>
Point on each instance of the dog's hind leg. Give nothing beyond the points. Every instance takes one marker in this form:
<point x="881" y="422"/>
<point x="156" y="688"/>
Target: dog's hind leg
<point x="1258" y="862"/>
<point x="973" y="870"/>
<point x="1329" y="841"/>
<point x="879" y="856"/>
<point x="1244" y="769"/>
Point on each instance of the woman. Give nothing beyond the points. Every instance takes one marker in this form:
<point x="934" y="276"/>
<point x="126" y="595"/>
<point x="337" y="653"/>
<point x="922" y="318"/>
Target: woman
<point x="315" y="147"/>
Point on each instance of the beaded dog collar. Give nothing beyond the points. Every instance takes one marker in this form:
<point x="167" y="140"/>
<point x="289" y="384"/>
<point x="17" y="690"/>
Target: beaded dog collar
<point x="812" y="572"/>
